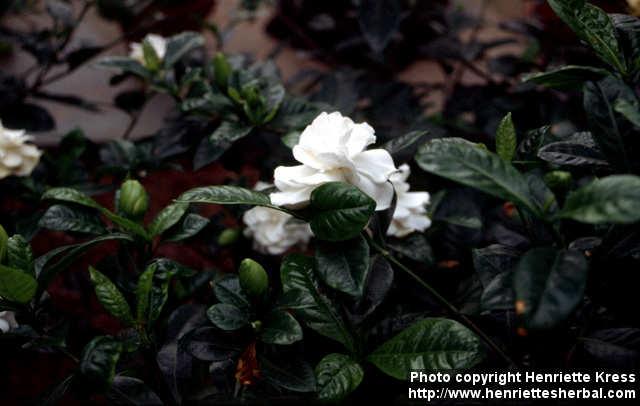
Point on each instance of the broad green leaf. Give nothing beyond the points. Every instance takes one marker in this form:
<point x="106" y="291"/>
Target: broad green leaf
<point x="229" y="291"/>
<point x="225" y="195"/>
<point x="99" y="359"/>
<point x="593" y="26"/>
<point x="398" y="145"/>
<point x="303" y="296"/>
<point x="415" y="247"/>
<point x="16" y="285"/>
<point x="548" y="285"/>
<point x="344" y="266"/>
<point x="191" y="225"/>
<point x="143" y="293"/>
<point x="432" y="344"/>
<point x="628" y="30"/>
<point x="337" y="375"/>
<point x="19" y="254"/>
<point x="497" y="294"/>
<point x="629" y="109"/>
<point x="578" y="150"/>
<point x="46" y="268"/>
<point x="181" y="44"/>
<point x="77" y="197"/>
<point x="64" y="218"/>
<point x="212" y="147"/>
<point x="227" y="317"/>
<point x="463" y="162"/>
<point x="110" y="297"/>
<point x="608" y="129"/>
<point x="339" y="211"/>
<point x="124" y="64"/>
<point x="279" y="327"/>
<point x="167" y="218"/>
<point x="131" y="391"/>
<point x="506" y="139"/>
<point x="570" y="77"/>
<point x="613" y="199"/>
<point x="126" y="224"/>
<point x="64" y="194"/>
<point x="295" y="375"/>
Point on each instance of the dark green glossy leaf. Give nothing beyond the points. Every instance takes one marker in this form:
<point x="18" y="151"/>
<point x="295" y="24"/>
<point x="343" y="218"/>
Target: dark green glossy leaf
<point x="143" y="293"/>
<point x="167" y="218"/>
<point x="430" y="344"/>
<point x="46" y="268"/>
<point x="279" y="327"/>
<point x="571" y="77"/>
<point x="227" y="317"/>
<point x="72" y="196"/>
<point x="593" y="26"/>
<point x="466" y="163"/>
<point x="64" y="218"/>
<point x="181" y="44"/>
<point x="548" y="285"/>
<point x="408" y="141"/>
<point x="294" y="375"/>
<point x="629" y="109"/>
<point x="608" y="130"/>
<point x="110" y="297"/>
<point x="578" y="150"/>
<point x="225" y="195"/>
<point x="19" y="254"/>
<point x="16" y="285"/>
<point x="337" y="376"/>
<point x="229" y="291"/>
<point x="415" y="247"/>
<point x="99" y="359"/>
<point x="613" y="199"/>
<point x="191" y="225"/>
<point x="339" y="211"/>
<point x="344" y="266"/>
<point x="212" y="147"/>
<point x="506" y="139"/>
<point x="127" y="390"/>
<point x="303" y="296"/>
<point x="124" y="64"/>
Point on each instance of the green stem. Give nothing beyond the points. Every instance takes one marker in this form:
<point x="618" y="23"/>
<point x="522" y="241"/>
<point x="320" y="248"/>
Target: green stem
<point x="443" y="302"/>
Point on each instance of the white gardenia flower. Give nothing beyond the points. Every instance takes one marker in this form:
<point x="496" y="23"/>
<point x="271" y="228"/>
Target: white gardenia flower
<point x="157" y="42"/>
<point x="332" y="148"/>
<point x="273" y="231"/>
<point x="17" y="157"/>
<point x="410" y="214"/>
<point x="7" y="321"/>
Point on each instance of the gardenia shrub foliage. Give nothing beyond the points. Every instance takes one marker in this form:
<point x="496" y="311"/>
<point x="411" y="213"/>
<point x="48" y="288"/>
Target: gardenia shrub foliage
<point x="316" y="239"/>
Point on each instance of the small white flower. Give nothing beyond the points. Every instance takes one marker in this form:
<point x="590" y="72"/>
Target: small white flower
<point x="332" y="148"/>
<point x="273" y="231"/>
<point x="17" y="157"/>
<point x="410" y="214"/>
<point x="157" y="42"/>
<point x="7" y="321"/>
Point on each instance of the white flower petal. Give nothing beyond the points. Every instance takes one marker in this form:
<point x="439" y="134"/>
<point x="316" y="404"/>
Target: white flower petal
<point x="360" y="137"/>
<point x="377" y="164"/>
<point x="382" y="193"/>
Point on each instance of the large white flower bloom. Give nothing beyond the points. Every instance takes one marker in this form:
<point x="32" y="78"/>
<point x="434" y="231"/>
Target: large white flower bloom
<point x="273" y="231"/>
<point x="332" y="148"/>
<point x="7" y="321"/>
<point x="157" y="42"/>
<point x="17" y="157"/>
<point x="410" y="214"/>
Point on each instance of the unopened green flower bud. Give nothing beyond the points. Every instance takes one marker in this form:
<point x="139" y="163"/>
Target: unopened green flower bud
<point x="222" y="70"/>
<point x="134" y="200"/>
<point x="558" y="180"/>
<point x="4" y="238"/>
<point x="228" y="236"/>
<point x="253" y="278"/>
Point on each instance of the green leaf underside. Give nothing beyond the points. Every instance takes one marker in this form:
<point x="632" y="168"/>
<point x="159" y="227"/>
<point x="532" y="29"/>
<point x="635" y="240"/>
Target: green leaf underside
<point x="337" y="375"/>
